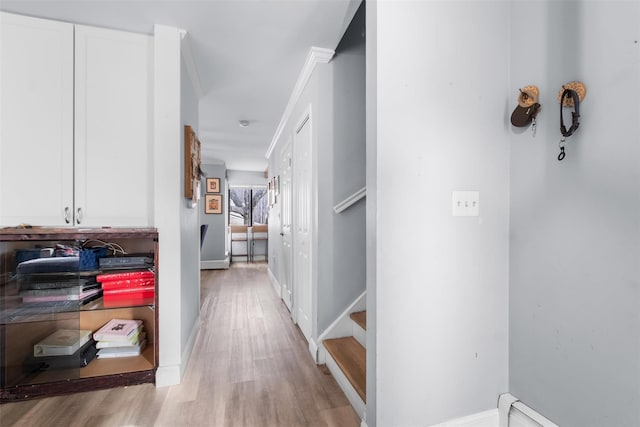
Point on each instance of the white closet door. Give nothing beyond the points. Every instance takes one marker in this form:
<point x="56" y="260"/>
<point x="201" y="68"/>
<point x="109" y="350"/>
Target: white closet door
<point x="113" y="156"/>
<point x="302" y="225"/>
<point x="36" y="121"/>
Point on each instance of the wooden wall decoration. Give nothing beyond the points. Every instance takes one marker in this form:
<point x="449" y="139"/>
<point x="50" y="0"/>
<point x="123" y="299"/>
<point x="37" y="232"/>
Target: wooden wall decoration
<point x="191" y="165"/>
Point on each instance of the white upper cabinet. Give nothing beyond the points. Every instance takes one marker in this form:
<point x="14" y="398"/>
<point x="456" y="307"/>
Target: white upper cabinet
<point x="36" y="121"/>
<point x="113" y="128"/>
<point x="83" y="160"/>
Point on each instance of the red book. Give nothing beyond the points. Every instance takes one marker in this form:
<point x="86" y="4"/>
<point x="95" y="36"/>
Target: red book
<point x="133" y="283"/>
<point x="129" y="275"/>
<point x="125" y="301"/>
<point x="138" y="292"/>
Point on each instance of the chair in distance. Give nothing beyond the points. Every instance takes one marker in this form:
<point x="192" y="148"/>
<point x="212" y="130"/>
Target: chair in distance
<point x="239" y="233"/>
<point x="259" y="233"/>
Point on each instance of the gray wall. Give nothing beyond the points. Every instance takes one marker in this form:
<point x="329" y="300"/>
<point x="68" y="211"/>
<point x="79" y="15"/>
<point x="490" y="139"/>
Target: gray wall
<point x="188" y="100"/>
<point x="214" y="247"/>
<point x="441" y="281"/>
<point x="347" y="246"/>
<point x="190" y="232"/>
<point x="575" y="247"/>
<point x="322" y="126"/>
<point x="336" y="94"/>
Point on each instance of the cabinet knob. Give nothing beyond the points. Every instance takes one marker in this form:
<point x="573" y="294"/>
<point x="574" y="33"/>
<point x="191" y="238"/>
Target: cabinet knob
<point x="79" y="216"/>
<point x="67" y="215"/>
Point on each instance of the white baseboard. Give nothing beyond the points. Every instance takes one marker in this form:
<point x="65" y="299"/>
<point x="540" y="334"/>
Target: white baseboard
<point x="358" y="404"/>
<point x="168" y="375"/>
<point x="510" y="412"/>
<point x="172" y="374"/>
<point x="363" y="424"/>
<point x="482" y="419"/>
<point x="514" y="413"/>
<point x="275" y="283"/>
<point x="322" y="355"/>
<point x="313" y="349"/>
<point x="217" y="264"/>
<point x="186" y="353"/>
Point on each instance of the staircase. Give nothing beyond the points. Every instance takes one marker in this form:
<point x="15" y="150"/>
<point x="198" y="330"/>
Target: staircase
<point x="346" y="358"/>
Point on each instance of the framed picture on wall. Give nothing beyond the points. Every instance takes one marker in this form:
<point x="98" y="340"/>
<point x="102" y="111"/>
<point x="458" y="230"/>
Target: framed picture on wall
<point x="192" y="170"/>
<point x="213" y="185"/>
<point x="213" y="203"/>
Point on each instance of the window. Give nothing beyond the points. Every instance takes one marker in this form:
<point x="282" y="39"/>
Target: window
<point x="248" y="205"/>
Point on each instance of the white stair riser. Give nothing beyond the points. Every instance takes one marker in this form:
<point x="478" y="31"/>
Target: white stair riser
<point x="359" y="334"/>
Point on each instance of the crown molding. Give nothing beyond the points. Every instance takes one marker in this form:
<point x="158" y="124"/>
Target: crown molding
<point x="316" y="55"/>
<point x="190" y="63"/>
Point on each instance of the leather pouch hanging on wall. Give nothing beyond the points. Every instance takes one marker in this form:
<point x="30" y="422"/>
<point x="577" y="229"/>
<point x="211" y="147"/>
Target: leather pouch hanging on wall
<point x="528" y="107"/>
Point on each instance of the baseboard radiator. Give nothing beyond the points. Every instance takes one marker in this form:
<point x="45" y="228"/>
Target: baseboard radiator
<point x="513" y="413"/>
<point x="510" y="413"/>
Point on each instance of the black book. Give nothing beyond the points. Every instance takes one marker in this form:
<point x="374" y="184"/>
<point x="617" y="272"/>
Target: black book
<point x="126" y="262"/>
<point x="79" y="359"/>
<point x="59" y="281"/>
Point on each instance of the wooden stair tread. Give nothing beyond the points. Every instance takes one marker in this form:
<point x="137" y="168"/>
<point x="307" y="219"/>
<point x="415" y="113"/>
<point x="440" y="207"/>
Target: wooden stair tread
<point x="360" y="318"/>
<point x="351" y="357"/>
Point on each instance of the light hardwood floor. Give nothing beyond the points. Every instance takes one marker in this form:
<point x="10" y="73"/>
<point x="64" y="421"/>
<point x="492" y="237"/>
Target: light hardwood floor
<point x="250" y="367"/>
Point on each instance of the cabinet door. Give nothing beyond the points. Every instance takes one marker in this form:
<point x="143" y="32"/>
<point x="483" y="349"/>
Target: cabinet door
<point x="113" y="156"/>
<point x="36" y="121"/>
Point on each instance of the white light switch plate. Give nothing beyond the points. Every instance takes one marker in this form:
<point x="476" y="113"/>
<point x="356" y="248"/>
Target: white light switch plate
<point x="465" y="203"/>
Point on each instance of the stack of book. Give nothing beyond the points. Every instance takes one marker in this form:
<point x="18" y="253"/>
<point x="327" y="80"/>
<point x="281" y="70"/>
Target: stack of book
<point x="130" y="285"/>
<point x="120" y="338"/>
<point x="63" y="349"/>
<point x="57" y="291"/>
<point x="54" y="284"/>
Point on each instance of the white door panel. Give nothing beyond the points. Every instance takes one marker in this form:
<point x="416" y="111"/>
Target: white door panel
<point x="302" y="264"/>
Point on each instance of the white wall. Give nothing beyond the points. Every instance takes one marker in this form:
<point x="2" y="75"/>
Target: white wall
<point x="246" y="178"/>
<point x="575" y="287"/>
<point x="371" y="93"/>
<point x="177" y="225"/>
<point x="442" y="299"/>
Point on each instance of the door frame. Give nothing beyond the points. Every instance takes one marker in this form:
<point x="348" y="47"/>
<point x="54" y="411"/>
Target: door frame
<point x="287" y="289"/>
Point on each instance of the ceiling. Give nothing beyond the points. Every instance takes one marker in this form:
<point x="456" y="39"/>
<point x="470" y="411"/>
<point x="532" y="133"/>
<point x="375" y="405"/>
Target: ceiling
<point x="248" y="55"/>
